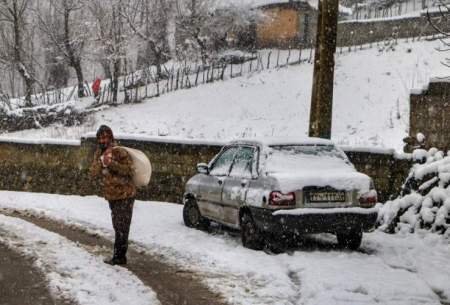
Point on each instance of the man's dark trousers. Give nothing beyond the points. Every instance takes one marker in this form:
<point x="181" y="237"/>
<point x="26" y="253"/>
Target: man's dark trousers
<point x="121" y="213"/>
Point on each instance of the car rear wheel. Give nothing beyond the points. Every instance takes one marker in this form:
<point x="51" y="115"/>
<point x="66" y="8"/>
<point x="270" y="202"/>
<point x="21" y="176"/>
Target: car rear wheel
<point x="192" y="216"/>
<point x="251" y="236"/>
<point x="350" y="240"/>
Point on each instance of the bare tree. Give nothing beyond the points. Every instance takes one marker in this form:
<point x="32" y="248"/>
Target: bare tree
<point x="148" y="20"/>
<point x="194" y="18"/>
<point x="440" y="21"/>
<point x="207" y="23"/>
<point x="110" y="33"/>
<point x="64" y="26"/>
<point x="14" y="34"/>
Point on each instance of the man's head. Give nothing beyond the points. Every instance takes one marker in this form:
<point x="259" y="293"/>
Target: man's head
<point x="105" y="137"/>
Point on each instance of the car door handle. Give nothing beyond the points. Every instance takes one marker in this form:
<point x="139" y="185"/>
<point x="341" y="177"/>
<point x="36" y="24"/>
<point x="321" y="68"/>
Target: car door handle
<point x="220" y="182"/>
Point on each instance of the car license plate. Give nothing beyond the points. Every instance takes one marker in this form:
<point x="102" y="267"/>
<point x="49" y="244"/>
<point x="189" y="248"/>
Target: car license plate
<point x="326" y="196"/>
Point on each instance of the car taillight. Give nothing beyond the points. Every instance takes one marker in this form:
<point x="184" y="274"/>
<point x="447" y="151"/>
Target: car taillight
<point x="368" y="199"/>
<point x="280" y="199"/>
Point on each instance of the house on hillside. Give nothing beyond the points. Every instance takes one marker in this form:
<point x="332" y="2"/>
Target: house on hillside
<point x="286" y="24"/>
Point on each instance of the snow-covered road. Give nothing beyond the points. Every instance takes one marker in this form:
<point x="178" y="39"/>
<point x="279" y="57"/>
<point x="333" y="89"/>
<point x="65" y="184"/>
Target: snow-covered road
<point x="72" y="273"/>
<point x="390" y="269"/>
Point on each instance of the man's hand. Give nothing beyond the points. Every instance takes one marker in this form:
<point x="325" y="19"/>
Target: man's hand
<point x="107" y="157"/>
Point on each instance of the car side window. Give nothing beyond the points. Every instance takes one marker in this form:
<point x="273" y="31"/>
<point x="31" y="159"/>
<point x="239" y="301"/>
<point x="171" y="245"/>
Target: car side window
<point x="243" y="162"/>
<point x="221" y="165"/>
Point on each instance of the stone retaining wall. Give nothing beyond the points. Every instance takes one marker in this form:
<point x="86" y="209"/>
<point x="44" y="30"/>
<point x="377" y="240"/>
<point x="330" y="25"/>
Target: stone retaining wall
<point x="64" y="169"/>
<point x="363" y="32"/>
<point x="430" y="115"/>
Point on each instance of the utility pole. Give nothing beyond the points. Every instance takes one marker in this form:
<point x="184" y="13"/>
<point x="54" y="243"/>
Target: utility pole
<point x="320" y="120"/>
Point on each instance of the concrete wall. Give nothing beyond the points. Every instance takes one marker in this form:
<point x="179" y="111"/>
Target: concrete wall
<point x="63" y="169"/>
<point x="388" y="170"/>
<point x="282" y="29"/>
<point x="430" y="115"/>
<point x="363" y="32"/>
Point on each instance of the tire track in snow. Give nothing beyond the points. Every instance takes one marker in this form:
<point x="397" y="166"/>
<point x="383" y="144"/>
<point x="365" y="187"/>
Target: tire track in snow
<point x="22" y="283"/>
<point x="73" y="275"/>
<point x="172" y="285"/>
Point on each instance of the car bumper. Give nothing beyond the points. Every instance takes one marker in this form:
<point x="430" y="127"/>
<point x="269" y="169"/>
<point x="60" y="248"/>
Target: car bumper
<point x="301" y="221"/>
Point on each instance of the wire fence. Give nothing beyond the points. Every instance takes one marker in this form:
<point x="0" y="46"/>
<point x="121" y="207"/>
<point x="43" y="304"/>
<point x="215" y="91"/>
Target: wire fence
<point x="386" y="9"/>
<point x="146" y="84"/>
<point x="150" y="83"/>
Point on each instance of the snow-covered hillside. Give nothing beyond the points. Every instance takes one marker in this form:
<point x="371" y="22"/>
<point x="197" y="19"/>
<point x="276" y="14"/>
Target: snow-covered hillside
<point x="371" y="102"/>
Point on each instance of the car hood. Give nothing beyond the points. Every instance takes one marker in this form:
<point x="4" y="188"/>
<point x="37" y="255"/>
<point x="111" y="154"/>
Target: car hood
<point x="341" y="180"/>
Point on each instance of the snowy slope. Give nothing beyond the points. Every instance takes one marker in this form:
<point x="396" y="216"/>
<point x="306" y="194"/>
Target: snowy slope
<point x="371" y="102"/>
<point x="390" y="269"/>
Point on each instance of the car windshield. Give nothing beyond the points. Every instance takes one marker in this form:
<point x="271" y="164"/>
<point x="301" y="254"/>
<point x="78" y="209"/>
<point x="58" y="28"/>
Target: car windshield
<point x="290" y="158"/>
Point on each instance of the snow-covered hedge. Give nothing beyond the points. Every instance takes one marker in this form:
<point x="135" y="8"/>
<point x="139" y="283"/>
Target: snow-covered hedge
<point x="40" y="116"/>
<point x="425" y="199"/>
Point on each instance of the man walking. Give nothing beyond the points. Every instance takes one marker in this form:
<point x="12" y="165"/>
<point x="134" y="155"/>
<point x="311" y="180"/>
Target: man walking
<point x="113" y="168"/>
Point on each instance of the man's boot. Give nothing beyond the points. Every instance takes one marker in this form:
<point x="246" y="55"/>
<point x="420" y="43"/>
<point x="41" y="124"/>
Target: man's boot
<point x="116" y="261"/>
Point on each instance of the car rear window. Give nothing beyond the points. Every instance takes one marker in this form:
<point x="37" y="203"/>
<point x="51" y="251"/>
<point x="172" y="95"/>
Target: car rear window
<point x="288" y="158"/>
<point x="310" y="150"/>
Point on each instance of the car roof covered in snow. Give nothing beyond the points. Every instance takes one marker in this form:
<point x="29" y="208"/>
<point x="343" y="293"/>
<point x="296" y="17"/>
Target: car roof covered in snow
<point x="283" y="141"/>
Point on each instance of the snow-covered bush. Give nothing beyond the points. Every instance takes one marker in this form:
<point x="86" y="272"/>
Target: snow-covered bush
<point x="425" y="199"/>
<point x="40" y="116"/>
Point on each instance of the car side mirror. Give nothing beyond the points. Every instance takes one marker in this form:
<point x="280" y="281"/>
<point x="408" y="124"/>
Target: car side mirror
<point x="202" y="168"/>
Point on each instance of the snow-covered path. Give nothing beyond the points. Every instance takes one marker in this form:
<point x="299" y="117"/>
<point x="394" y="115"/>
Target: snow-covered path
<point x="400" y="269"/>
<point x="72" y="273"/>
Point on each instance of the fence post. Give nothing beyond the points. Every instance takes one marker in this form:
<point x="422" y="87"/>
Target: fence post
<point x="183" y="72"/>
<point x="223" y="71"/>
<point x="278" y="58"/>
<point x="288" y="57"/>
<point x="157" y="86"/>
<point x="178" y="75"/>
<point x="260" y="62"/>
<point x="300" y="55"/>
<point x="268" y="60"/>
<point x="196" y="76"/>
<point x="188" y="80"/>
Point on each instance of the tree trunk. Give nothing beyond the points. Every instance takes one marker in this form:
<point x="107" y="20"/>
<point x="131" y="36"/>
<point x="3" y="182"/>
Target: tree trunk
<point x="322" y="92"/>
<point x="106" y="68"/>
<point x="28" y="91"/>
<point x="77" y="67"/>
<point x="74" y="60"/>
<point x="115" y="80"/>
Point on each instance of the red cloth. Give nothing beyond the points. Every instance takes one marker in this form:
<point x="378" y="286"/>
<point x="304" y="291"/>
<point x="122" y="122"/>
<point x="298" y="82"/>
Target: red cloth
<point x="96" y="86"/>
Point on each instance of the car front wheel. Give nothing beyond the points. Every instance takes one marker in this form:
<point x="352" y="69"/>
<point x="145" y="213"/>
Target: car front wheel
<point x="350" y="240"/>
<point x="250" y="234"/>
<point x="192" y="217"/>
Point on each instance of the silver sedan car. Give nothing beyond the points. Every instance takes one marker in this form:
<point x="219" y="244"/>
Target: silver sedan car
<point x="281" y="188"/>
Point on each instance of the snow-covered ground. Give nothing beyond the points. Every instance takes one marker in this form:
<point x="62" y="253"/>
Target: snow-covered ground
<point x="390" y="269"/>
<point x="72" y="273"/>
<point x="371" y="102"/>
